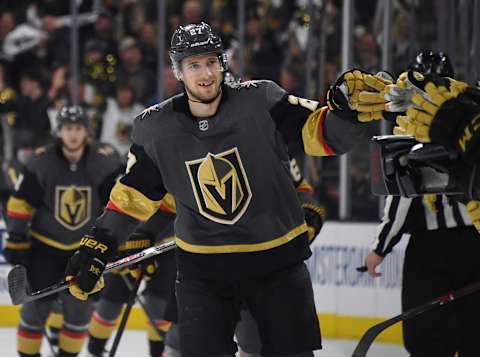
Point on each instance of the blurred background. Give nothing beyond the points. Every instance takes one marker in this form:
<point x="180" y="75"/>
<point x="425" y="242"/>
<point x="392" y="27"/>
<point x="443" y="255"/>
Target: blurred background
<point x="111" y="56"/>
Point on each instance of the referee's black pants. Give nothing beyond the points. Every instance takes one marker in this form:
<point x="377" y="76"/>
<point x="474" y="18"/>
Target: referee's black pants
<point x="437" y="262"/>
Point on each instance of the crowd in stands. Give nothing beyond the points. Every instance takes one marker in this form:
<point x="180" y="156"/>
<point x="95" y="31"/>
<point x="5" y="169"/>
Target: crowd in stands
<point x="118" y="64"/>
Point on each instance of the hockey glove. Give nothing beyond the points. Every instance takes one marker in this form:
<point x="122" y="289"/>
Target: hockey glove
<point x="342" y="97"/>
<point x="17" y="249"/>
<point x="135" y="243"/>
<point x="374" y="101"/>
<point x="86" y="266"/>
<point x="447" y="114"/>
<point x="473" y="209"/>
<point x="314" y="217"/>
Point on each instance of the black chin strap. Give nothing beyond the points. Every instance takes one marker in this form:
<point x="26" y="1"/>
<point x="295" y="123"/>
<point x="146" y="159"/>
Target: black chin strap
<point x="205" y="101"/>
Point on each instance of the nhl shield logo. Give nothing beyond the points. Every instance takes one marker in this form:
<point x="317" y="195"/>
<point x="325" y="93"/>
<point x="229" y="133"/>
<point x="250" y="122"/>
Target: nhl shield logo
<point x="220" y="186"/>
<point x="72" y="206"/>
<point x="203" y="125"/>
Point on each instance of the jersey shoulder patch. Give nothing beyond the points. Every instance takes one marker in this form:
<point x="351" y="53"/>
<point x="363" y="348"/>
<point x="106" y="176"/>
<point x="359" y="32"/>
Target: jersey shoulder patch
<point x="244" y="85"/>
<point x="147" y="112"/>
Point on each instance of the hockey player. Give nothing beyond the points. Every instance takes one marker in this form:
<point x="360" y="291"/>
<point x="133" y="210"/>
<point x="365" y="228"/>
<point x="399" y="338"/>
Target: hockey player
<point x="246" y="331"/>
<point x="56" y="198"/>
<point x="159" y="286"/>
<point x="240" y="231"/>
<point x="441" y="256"/>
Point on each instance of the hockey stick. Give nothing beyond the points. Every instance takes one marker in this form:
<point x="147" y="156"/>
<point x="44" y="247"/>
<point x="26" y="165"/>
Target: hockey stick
<point x="369" y="336"/>
<point x="126" y="313"/>
<point x="18" y="282"/>
<point x="143" y="305"/>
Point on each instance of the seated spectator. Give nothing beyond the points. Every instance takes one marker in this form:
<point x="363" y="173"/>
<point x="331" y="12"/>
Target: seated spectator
<point x="367" y="53"/>
<point x="118" y="118"/>
<point x="262" y="51"/>
<point x="132" y="71"/>
<point x="31" y="119"/>
<point x="148" y="46"/>
<point x="192" y="12"/>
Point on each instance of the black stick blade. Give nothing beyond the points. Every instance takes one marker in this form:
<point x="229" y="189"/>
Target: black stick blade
<point x="17" y="284"/>
<point x="367" y="339"/>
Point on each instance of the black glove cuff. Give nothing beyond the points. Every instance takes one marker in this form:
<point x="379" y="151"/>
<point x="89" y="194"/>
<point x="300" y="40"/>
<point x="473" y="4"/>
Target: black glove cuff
<point x="18" y="242"/>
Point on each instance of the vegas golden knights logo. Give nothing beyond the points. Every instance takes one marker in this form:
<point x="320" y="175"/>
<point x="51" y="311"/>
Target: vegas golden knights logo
<point x="72" y="205"/>
<point x="220" y="186"/>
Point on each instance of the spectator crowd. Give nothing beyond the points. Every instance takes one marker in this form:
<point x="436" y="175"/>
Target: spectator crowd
<point x="118" y="65"/>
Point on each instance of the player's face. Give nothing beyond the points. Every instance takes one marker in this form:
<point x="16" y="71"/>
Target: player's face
<point x="202" y="76"/>
<point x="73" y="136"/>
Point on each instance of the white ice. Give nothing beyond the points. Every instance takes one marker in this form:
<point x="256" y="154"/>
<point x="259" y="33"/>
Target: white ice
<point x="134" y="343"/>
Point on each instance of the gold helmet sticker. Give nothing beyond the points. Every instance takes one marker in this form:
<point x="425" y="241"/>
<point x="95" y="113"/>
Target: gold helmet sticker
<point x="220" y="186"/>
<point x="72" y="206"/>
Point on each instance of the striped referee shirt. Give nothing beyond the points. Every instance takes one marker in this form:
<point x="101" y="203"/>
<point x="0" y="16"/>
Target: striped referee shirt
<point x="407" y="215"/>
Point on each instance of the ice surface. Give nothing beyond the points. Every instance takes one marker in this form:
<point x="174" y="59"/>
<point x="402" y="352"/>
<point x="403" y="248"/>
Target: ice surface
<point x="134" y="343"/>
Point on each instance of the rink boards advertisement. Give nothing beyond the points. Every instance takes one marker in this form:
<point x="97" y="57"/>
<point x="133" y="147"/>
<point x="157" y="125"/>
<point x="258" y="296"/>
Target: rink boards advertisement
<point x="348" y="302"/>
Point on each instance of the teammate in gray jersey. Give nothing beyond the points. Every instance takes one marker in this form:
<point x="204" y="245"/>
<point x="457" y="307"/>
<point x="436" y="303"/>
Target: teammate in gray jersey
<point x="57" y="195"/>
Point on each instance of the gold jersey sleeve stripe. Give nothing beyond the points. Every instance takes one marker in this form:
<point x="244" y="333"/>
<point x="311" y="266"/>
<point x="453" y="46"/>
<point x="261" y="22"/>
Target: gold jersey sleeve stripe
<point x="19" y="208"/>
<point x="53" y="243"/>
<point x="312" y="134"/>
<point x="304" y="187"/>
<point x="168" y="204"/>
<point x="242" y="248"/>
<point x="132" y="202"/>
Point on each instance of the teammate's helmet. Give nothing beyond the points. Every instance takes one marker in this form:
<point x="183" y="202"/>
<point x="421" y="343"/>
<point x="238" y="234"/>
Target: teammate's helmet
<point x="73" y="115"/>
<point x="433" y="62"/>
<point x="194" y="40"/>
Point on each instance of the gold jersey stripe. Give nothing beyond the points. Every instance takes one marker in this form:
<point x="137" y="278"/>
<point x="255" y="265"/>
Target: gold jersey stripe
<point x="133" y="202"/>
<point x="312" y="134"/>
<point x="19" y="207"/>
<point x="242" y="248"/>
<point x="53" y="243"/>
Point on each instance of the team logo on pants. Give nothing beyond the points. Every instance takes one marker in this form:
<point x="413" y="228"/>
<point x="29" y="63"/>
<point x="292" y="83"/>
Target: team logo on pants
<point x="72" y="205"/>
<point x="220" y="186"/>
